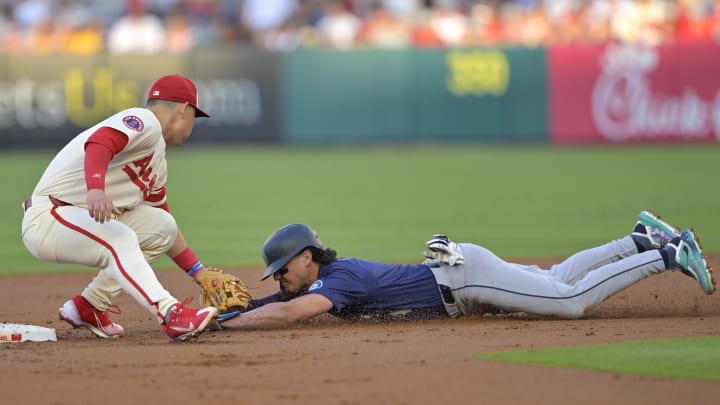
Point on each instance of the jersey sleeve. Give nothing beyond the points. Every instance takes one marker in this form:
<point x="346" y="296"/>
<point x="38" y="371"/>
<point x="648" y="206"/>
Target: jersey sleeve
<point x="97" y="159"/>
<point x="100" y="147"/>
<point x="109" y="137"/>
<point x="140" y="126"/>
<point x="259" y="302"/>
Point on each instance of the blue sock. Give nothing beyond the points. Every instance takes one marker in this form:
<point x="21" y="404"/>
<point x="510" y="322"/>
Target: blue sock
<point x="665" y="257"/>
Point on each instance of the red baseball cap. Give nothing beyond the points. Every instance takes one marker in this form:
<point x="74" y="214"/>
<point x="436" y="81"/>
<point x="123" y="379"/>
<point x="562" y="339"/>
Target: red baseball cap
<point x="176" y="88"/>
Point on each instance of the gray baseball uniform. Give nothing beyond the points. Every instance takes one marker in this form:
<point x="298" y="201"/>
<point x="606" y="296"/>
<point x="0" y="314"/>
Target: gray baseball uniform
<point x="569" y="289"/>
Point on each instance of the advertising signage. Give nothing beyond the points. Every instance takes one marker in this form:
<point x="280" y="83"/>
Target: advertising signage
<point x="48" y="100"/>
<point x="623" y="93"/>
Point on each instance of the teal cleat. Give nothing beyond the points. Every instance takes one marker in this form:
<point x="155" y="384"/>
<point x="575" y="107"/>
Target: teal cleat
<point x="657" y="232"/>
<point x="687" y="256"/>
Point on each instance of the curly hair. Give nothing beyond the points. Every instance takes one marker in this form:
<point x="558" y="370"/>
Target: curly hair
<point x="323" y="256"/>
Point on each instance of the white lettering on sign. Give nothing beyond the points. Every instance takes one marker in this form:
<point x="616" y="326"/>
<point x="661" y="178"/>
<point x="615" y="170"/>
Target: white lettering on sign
<point x="624" y="106"/>
<point x="30" y="104"/>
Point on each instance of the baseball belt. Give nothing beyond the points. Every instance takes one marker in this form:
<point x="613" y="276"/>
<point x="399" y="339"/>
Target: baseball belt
<point x="58" y="203"/>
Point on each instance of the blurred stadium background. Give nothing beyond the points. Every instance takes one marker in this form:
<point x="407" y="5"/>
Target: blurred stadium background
<point x="381" y="71"/>
<point x="509" y="113"/>
<point x="179" y="26"/>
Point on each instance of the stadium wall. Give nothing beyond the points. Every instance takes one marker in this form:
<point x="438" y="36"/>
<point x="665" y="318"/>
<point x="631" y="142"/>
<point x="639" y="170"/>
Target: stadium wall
<point x="493" y="95"/>
<point x="565" y="94"/>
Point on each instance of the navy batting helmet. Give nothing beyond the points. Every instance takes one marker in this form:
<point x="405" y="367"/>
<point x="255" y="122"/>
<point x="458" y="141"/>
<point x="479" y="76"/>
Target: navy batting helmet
<point x="285" y="244"/>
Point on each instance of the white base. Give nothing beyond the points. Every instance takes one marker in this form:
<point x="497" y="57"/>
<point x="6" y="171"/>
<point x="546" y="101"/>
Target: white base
<point x="15" y="332"/>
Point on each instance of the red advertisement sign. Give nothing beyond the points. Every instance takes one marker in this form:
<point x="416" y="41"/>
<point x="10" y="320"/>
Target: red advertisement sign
<point x="621" y="93"/>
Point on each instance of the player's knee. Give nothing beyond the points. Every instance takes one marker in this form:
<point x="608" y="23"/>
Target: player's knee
<point x="162" y="238"/>
<point x="166" y="226"/>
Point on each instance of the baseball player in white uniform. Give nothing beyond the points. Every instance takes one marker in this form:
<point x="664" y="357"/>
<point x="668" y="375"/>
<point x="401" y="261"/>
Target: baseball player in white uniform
<point x="101" y="203"/>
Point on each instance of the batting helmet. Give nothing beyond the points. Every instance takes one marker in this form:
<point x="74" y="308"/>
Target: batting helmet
<point x="285" y="244"/>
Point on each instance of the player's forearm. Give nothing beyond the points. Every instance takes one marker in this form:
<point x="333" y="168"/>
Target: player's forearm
<point x="185" y="258"/>
<point x="178" y="247"/>
<point x="275" y="315"/>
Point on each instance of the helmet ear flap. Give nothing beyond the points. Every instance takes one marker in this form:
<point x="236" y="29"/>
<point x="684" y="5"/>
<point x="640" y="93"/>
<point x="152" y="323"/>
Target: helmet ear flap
<point x="286" y="243"/>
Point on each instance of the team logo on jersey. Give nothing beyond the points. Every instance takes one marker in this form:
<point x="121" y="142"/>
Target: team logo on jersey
<point x="316" y="285"/>
<point x="134" y="123"/>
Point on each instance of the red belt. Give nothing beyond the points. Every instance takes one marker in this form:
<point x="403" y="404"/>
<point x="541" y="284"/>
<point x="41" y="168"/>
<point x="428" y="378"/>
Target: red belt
<point x="58" y="203"/>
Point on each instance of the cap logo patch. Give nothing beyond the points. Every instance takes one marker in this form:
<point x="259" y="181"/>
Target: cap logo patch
<point x="156" y="93"/>
<point x="133" y="123"/>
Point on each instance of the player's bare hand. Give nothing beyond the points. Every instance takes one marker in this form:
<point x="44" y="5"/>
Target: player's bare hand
<point x="100" y="206"/>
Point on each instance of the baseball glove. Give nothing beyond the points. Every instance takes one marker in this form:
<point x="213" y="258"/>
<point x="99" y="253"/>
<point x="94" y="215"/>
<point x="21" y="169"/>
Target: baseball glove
<point x="223" y="291"/>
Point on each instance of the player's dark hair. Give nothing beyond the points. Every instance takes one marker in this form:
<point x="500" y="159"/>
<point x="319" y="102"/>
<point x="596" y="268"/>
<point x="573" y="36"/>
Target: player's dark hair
<point x="323" y="256"/>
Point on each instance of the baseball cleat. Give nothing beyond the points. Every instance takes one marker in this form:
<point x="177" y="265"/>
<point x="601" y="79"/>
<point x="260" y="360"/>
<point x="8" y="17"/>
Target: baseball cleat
<point x="79" y="313"/>
<point x="183" y="323"/>
<point x="686" y="253"/>
<point x="652" y="232"/>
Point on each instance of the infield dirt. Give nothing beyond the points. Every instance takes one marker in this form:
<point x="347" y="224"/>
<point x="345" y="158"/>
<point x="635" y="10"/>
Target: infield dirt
<point x="329" y="361"/>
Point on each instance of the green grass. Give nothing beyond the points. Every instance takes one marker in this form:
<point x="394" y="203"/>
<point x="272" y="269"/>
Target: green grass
<point x="691" y="358"/>
<point x="383" y="203"/>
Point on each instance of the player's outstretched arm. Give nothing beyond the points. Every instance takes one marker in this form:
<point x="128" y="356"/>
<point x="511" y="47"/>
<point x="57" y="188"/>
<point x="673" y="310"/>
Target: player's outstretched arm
<point x="278" y="315"/>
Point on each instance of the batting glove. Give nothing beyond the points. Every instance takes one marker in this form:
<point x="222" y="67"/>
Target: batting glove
<point x="443" y="252"/>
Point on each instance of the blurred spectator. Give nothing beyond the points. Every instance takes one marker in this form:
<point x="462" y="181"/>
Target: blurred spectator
<point x="263" y="15"/>
<point x="401" y="8"/>
<point x="45" y="37"/>
<point x="11" y="37"/>
<point x="382" y="29"/>
<point x="179" y="36"/>
<point x="226" y="20"/>
<point x="692" y="23"/>
<point x="642" y="21"/>
<point x="423" y="35"/>
<point x="511" y="19"/>
<point x="177" y="26"/>
<point x="595" y="20"/>
<point x="83" y="31"/>
<point x="85" y="38"/>
<point x="485" y="27"/>
<point x="28" y="13"/>
<point x="338" y="27"/>
<point x="449" y="24"/>
<point x="714" y="18"/>
<point x="137" y="31"/>
<point x="213" y="22"/>
<point x="534" y="28"/>
<point x="270" y="22"/>
<point x="284" y="38"/>
<point x="162" y="7"/>
<point x="655" y="27"/>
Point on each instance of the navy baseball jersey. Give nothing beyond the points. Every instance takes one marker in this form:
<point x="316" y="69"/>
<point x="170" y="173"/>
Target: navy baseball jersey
<point x="361" y="289"/>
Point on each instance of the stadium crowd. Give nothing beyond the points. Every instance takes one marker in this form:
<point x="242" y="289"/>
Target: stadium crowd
<point x="84" y="27"/>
